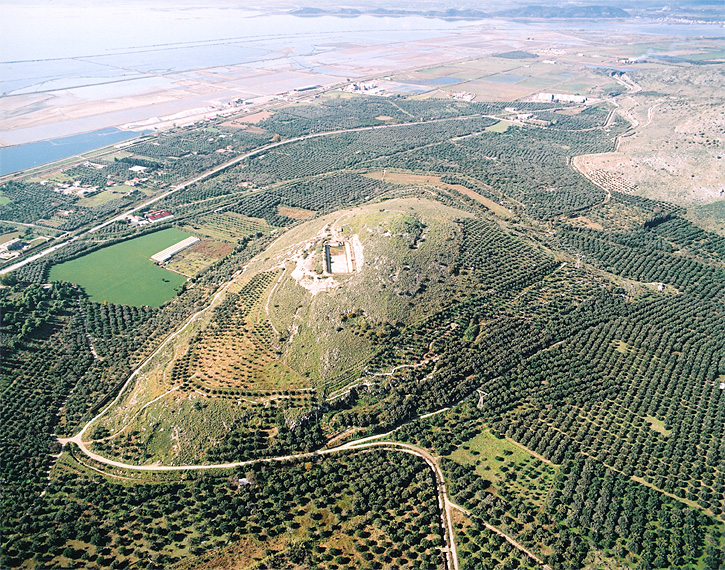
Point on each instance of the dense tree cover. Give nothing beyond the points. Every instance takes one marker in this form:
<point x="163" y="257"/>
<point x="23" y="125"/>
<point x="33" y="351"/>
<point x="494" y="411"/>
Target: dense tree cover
<point x="497" y="259"/>
<point x="31" y="201"/>
<point x="187" y="151"/>
<point x="647" y="255"/>
<point x="33" y="272"/>
<point x="349" y="150"/>
<point x="87" y="175"/>
<point x="357" y="510"/>
<point x="480" y="547"/>
<point x="689" y="237"/>
<point x="621" y="390"/>
<point x="23" y="310"/>
<point x="503" y="161"/>
<point x="590" y="507"/>
<point x="658" y="359"/>
<point x="43" y="355"/>
<point x="586" y="506"/>
<point x="361" y="111"/>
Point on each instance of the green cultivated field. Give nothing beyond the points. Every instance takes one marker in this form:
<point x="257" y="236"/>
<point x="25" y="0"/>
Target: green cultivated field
<point x="123" y="273"/>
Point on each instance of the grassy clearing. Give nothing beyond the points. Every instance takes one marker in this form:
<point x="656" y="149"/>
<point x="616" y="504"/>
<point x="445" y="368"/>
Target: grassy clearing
<point x="657" y="425"/>
<point x="500" y="127"/>
<point x="123" y="273"/>
<point x="155" y="378"/>
<point x="178" y="428"/>
<point x="507" y="466"/>
<point x="7" y="237"/>
<point x="294" y="213"/>
<point x="113" y="193"/>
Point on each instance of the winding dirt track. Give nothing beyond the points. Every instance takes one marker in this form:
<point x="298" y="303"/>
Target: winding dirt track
<point x="380" y="441"/>
<point x="376" y="441"/>
<point x="444" y="503"/>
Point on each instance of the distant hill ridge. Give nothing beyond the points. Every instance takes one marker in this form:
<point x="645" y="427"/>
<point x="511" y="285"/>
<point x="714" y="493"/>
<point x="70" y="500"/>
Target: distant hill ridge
<point x="531" y="11"/>
<point x="552" y="12"/>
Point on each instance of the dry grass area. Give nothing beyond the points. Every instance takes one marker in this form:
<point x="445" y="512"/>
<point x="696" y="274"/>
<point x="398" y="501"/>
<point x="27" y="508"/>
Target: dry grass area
<point x="657" y="425"/>
<point x="294" y="213"/>
<point x="584" y="222"/>
<point x="251" y="119"/>
<point x="404" y="178"/>
<point x="605" y="171"/>
<point x="243" y="553"/>
<point x="193" y="260"/>
<point x="497" y="209"/>
<point x="676" y="150"/>
<point x="235" y="352"/>
<point x="212" y="248"/>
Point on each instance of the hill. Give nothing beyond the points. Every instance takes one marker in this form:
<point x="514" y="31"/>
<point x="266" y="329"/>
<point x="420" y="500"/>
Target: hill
<point x="427" y="344"/>
<point x="567" y="11"/>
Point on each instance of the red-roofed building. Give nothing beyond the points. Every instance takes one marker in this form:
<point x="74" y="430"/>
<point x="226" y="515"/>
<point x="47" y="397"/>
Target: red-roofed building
<point x="158" y="215"/>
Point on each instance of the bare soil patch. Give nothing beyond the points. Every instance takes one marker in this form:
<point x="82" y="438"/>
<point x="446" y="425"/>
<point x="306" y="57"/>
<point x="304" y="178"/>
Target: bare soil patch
<point x="255" y="118"/>
<point x="497" y="209"/>
<point x="213" y="248"/>
<point x="404" y="178"/>
<point x="294" y="213"/>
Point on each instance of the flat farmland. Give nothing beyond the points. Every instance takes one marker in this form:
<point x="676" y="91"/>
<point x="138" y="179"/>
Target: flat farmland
<point x="123" y="272"/>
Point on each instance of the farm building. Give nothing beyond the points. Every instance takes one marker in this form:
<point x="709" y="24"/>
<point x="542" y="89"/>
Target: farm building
<point x="158" y="216"/>
<point x="166" y="254"/>
<point x="14" y="244"/>
<point x="561" y="97"/>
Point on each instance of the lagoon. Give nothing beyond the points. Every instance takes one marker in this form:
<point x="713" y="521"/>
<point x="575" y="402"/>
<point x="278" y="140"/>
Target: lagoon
<point x="24" y="156"/>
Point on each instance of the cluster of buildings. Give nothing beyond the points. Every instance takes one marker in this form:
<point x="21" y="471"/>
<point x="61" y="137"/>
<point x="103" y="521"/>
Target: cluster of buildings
<point x="14" y="247"/>
<point x="362" y="87"/>
<point x="150" y="217"/>
<point x="76" y="188"/>
<point x="462" y="96"/>
<point x="561" y="98"/>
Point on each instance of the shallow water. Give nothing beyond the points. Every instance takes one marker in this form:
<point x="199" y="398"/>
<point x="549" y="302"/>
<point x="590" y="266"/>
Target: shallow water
<point x="21" y="157"/>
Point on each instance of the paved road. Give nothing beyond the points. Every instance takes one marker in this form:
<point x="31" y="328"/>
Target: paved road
<point x="216" y="170"/>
